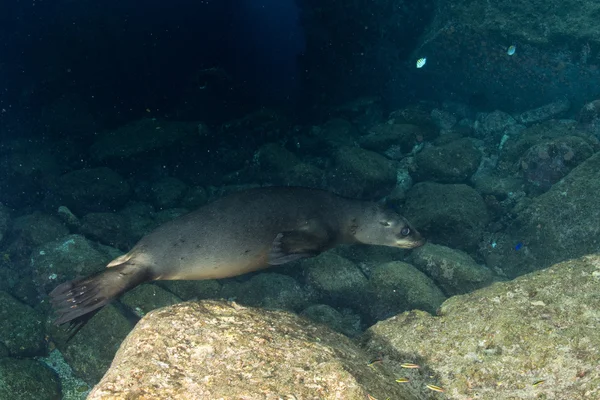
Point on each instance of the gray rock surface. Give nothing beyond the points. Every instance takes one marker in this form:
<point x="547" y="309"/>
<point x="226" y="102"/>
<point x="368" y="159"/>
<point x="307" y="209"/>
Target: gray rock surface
<point x="64" y="259"/>
<point x="26" y="379"/>
<point x="21" y="330"/>
<point x="90" y="190"/>
<point x="454" y="162"/>
<point x="560" y="224"/>
<point x="453" y="215"/>
<point x="336" y="278"/>
<point x="498" y="342"/>
<point x="397" y="286"/>
<point x="553" y="110"/>
<point x="361" y="173"/>
<point x="454" y="271"/>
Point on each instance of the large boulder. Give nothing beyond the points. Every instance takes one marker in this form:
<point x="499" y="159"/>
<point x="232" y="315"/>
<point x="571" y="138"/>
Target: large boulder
<point x="89" y="190"/>
<point x="454" y="162"/>
<point x="361" y="173"/>
<point x="212" y="350"/>
<point x="453" y="215"/>
<point x="26" y="379"/>
<point x="21" y="330"/>
<point x="70" y="257"/>
<point x="454" y="271"/>
<point x="535" y="337"/>
<point x="560" y="224"/>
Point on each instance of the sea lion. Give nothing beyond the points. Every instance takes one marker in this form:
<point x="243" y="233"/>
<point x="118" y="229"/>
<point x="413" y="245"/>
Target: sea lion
<point x="239" y="233"/>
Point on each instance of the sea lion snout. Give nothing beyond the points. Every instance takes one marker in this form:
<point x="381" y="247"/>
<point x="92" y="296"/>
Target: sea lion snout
<point x="384" y="227"/>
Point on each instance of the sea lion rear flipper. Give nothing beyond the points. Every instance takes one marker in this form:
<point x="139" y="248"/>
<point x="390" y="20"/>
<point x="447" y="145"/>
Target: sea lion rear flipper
<point x="294" y="245"/>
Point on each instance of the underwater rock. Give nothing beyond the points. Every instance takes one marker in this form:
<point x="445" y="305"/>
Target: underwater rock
<point x="147" y="297"/>
<point x="91" y="350"/>
<point x="397" y="286"/>
<point x="21" y="330"/>
<point x="22" y="379"/>
<point x="348" y="324"/>
<point x="193" y="290"/>
<point x="454" y="162"/>
<point x="195" y="197"/>
<point x="108" y="228"/>
<point x="516" y="146"/>
<point x="549" y="111"/>
<point x="5" y="221"/>
<point x="560" y="224"/>
<point x="267" y="290"/>
<point x="453" y="215"/>
<point x="443" y="119"/>
<point x="65" y="259"/>
<point x="360" y="173"/>
<point x="140" y="138"/>
<point x="492" y="126"/>
<point x="304" y="174"/>
<point x="210" y="350"/>
<point x="335" y="279"/>
<point x="89" y="190"/>
<point x="416" y="115"/>
<point x="382" y="137"/>
<point x="589" y="112"/>
<point x="454" y="271"/>
<point x="167" y="192"/>
<point x="534" y="337"/>
<point x="324" y="139"/>
<point x="38" y="228"/>
<point x="498" y="186"/>
<point x="546" y="163"/>
<point x="275" y="159"/>
<point x="140" y="219"/>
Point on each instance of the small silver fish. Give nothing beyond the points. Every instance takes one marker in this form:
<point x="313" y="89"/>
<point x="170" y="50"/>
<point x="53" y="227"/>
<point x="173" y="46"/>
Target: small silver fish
<point x="511" y="50"/>
<point x="421" y="62"/>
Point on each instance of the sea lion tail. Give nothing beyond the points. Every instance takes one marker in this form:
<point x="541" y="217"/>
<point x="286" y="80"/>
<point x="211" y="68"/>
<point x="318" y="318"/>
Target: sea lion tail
<point x="76" y="301"/>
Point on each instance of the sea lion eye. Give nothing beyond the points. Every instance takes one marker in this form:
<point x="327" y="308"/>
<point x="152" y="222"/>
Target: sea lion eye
<point x="405" y="231"/>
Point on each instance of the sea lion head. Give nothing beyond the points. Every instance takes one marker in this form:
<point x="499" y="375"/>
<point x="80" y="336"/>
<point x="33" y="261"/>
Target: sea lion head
<point x="381" y="226"/>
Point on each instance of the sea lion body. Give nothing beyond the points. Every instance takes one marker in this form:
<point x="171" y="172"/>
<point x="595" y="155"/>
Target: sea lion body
<point x="240" y="233"/>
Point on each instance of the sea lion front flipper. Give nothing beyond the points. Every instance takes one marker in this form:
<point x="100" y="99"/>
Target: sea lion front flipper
<point x="308" y="241"/>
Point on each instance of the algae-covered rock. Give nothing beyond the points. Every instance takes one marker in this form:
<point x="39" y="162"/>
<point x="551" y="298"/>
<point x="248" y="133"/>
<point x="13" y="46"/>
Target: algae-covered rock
<point x="560" y="224"/>
<point x="66" y="259"/>
<point x="142" y="137"/>
<point x="382" y="137"/>
<point x="147" y="297"/>
<point x="454" y="162"/>
<point x="108" y="228"/>
<point x="268" y="290"/>
<point x="361" y="173"/>
<point x="37" y="228"/>
<point x="5" y="221"/>
<point x="397" y="286"/>
<point x="25" y="379"/>
<point x="450" y="214"/>
<point x="336" y="278"/>
<point x="501" y="341"/>
<point x="91" y="350"/>
<point x="346" y="323"/>
<point x="167" y="192"/>
<point x="21" y="327"/>
<point x="193" y="290"/>
<point x="454" y="271"/>
<point x="90" y="190"/>
<point x="212" y="350"/>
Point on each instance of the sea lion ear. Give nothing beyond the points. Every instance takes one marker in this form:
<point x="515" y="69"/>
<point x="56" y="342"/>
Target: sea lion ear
<point x="295" y="245"/>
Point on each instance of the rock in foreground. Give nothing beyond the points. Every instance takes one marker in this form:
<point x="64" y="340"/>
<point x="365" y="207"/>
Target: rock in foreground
<point x="218" y="350"/>
<point x="537" y="337"/>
